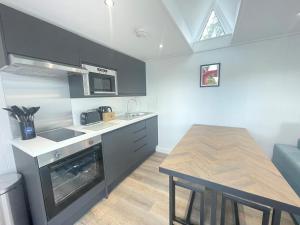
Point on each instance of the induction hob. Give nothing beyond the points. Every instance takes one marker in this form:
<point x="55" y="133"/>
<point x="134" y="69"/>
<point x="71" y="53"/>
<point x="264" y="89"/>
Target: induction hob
<point x="60" y="134"/>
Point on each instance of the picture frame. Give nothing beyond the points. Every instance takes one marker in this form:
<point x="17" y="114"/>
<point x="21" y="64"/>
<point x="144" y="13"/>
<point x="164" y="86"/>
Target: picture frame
<point x="210" y="75"/>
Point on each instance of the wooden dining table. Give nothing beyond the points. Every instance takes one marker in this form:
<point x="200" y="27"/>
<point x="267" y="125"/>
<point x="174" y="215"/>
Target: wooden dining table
<point x="228" y="160"/>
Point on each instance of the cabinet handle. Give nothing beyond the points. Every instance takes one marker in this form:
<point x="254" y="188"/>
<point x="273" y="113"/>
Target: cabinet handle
<point x="140" y="147"/>
<point x="139" y="130"/>
<point x="135" y="141"/>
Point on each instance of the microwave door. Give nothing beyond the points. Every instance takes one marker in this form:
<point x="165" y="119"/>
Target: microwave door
<point x="102" y="84"/>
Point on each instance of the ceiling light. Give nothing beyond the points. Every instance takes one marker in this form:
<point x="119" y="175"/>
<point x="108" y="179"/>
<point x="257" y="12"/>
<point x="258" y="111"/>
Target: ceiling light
<point x="161" y="46"/>
<point x="109" y="3"/>
<point x="298" y="14"/>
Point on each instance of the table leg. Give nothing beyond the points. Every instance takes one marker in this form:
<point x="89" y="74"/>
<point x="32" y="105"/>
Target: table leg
<point x="213" y="212"/>
<point x="276" y="217"/>
<point x="171" y="200"/>
<point x="190" y="207"/>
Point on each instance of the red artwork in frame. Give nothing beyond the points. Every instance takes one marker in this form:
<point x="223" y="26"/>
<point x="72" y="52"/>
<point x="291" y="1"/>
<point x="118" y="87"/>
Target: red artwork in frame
<point x="210" y="75"/>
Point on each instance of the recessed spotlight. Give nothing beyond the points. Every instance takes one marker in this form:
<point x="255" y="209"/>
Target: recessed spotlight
<point x="109" y="3"/>
<point x="161" y="46"/>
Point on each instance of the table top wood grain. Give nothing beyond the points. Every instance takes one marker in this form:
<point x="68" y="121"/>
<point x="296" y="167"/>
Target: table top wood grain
<point x="229" y="160"/>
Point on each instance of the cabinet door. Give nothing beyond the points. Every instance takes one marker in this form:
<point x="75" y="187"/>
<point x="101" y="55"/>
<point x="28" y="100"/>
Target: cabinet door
<point x="152" y="133"/>
<point x="96" y="54"/>
<point x="117" y="154"/>
<point x="28" y="36"/>
<point x="131" y="76"/>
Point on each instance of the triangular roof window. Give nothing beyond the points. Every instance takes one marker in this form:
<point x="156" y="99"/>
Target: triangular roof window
<point x="213" y="28"/>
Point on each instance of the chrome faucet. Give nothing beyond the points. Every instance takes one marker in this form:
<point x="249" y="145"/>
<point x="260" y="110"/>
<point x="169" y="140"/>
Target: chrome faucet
<point x="131" y="100"/>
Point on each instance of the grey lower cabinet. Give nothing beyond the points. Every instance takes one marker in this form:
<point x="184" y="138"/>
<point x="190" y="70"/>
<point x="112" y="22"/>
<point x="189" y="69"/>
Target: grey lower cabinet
<point x="126" y="148"/>
<point x="28" y="36"/>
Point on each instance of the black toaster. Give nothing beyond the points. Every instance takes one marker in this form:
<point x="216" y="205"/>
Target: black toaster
<point x="90" y="117"/>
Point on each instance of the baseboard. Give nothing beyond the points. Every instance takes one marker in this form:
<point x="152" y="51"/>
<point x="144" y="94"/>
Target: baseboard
<point x="163" y="150"/>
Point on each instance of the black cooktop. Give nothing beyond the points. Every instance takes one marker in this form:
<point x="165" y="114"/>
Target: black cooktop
<point x="60" y="134"/>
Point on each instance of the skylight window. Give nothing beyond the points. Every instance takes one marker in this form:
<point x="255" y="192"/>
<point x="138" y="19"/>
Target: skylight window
<point x="213" y="28"/>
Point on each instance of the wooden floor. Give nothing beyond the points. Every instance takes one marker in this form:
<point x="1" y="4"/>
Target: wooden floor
<point x="142" y="199"/>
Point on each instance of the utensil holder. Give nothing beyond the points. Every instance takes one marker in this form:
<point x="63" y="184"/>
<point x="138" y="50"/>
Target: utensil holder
<point x="27" y="130"/>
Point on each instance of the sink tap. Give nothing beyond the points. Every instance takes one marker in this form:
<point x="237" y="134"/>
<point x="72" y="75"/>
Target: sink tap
<point x="131" y="100"/>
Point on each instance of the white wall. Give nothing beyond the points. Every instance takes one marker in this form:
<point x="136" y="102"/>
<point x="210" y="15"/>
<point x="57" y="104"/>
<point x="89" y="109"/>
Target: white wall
<point x="259" y="90"/>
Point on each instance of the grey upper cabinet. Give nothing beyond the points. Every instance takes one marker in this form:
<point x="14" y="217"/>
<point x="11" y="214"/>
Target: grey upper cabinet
<point x="25" y="35"/>
<point x="28" y="36"/>
<point x="97" y="55"/>
<point x="131" y="76"/>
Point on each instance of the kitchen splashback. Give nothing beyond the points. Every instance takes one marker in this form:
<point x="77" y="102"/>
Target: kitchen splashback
<point x="118" y="104"/>
<point x="50" y="93"/>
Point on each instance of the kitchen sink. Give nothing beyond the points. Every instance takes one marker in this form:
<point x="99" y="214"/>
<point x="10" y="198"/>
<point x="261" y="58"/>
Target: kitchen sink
<point x="134" y="115"/>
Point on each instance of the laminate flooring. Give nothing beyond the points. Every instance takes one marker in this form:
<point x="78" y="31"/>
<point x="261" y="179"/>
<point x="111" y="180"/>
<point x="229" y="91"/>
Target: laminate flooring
<point x="142" y="199"/>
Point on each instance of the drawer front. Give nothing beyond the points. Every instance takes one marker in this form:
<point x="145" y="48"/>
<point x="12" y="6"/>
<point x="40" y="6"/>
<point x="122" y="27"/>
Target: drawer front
<point x="137" y="127"/>
<point x="139" y="135"/>
<point x="138" y="143"/>
<point x="141" y="153"/>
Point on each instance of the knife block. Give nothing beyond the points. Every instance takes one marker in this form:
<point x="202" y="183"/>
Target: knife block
<point x="108" y="116"/>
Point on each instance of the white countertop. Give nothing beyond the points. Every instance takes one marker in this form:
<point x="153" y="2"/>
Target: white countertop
<point x="39" y="145"/>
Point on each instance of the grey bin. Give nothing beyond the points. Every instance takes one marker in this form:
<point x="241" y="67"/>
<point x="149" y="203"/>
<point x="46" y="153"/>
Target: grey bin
<point x="12" y="203"/>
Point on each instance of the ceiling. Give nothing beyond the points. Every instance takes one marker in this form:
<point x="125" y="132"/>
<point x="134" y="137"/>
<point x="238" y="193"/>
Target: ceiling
<point x="176" y="29"/>
<point x="194" y="12"/>
<point x="92" y="19"/>
<point x="264" y="19"/>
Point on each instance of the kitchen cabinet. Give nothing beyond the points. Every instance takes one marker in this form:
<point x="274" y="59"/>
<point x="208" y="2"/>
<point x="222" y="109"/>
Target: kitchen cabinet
<point x="131" y="72"/>
<point x="28" y="36"/>
<point x="97" y="55"/>
<point x="131" y="75"/>
<point x="126" y="148"/>
<point x="116" y="154"/>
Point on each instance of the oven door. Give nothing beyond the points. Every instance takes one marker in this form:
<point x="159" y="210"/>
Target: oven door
<point x="102" y="84"/>
<point x="66" y="180"/>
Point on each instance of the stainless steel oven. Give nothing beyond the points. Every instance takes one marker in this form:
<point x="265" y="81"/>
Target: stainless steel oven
<point x="68" y="173"/>
<point x="99" y="81"/>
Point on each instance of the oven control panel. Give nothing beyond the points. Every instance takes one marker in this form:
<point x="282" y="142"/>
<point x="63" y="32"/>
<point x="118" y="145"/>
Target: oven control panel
<point x="67" y="151"/>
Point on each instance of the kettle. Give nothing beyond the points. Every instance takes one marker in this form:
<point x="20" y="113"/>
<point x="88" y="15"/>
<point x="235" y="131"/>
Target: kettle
<point x="104" y="109"/>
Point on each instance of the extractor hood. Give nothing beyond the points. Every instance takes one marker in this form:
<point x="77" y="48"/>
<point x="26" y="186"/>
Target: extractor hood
<point x="35" y="67"/>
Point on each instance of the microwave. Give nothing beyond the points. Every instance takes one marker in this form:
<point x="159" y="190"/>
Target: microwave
<point x="99" y="81"/>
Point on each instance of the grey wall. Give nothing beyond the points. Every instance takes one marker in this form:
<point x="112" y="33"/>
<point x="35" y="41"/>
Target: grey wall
<point x="259" y="90"/>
